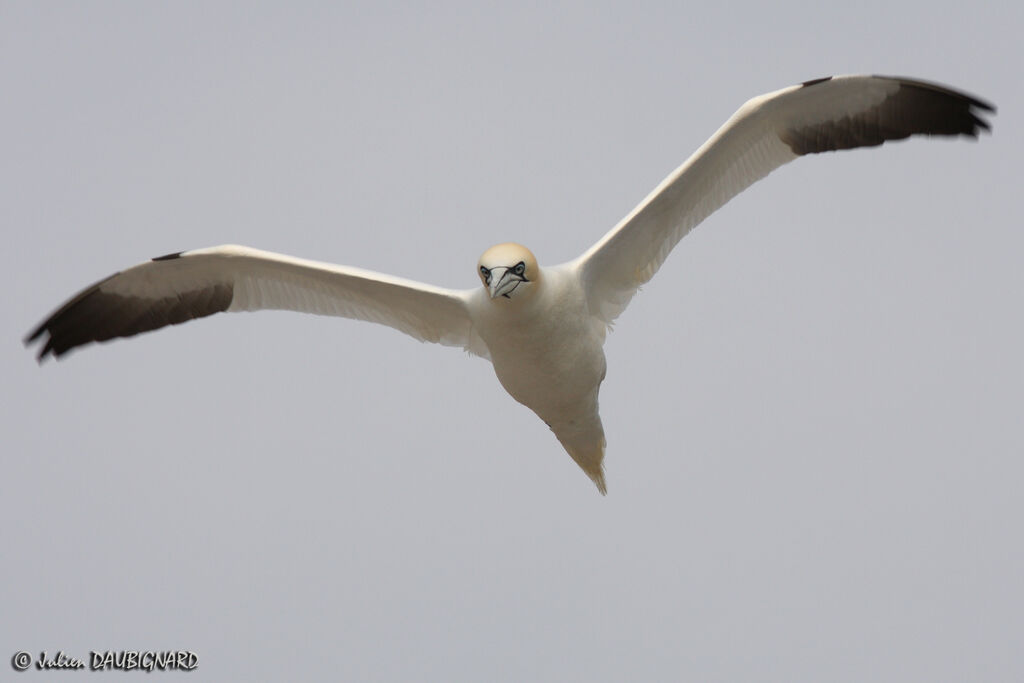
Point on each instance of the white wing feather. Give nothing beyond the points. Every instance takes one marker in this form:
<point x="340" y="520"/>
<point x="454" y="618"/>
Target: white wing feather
<point x="264" y="280"/>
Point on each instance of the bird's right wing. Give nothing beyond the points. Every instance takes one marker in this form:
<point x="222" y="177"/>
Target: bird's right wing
<point x="826" y="114"/>
<point x="193" y="284"/>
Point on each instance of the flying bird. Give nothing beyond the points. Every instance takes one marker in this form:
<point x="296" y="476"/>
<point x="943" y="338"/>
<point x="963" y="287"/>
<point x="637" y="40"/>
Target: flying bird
<point x="542" y="327"/>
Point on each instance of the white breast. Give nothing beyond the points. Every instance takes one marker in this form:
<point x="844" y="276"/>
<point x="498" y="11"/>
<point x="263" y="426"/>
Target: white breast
<point x="547" y="354"/>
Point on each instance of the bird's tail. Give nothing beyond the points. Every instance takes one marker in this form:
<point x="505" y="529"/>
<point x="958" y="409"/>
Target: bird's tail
<point x="586" y="446"/>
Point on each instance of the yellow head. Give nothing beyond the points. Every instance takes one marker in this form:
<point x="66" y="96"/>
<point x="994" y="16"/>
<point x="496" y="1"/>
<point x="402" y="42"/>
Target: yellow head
<point x="508" y="270"/>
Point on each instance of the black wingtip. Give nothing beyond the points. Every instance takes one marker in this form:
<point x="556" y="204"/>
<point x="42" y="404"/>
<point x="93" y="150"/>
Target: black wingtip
<point x="94" y="315"/>
<point x="31" y="338"/>
<point x="972" y="101"/>
<point x="33" y="335"/>
<point x="168" y="257"/>
<point x="815" y="81"/>
<point x="47" y="348"/>
<point x="913" y="107"/>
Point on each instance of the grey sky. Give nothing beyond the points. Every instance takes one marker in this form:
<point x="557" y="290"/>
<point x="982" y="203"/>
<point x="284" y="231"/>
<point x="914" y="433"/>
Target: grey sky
<point x="814" y="411"/>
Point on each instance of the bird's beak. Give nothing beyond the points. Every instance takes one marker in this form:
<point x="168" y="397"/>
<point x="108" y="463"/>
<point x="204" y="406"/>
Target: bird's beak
<point x="503" y="281"/>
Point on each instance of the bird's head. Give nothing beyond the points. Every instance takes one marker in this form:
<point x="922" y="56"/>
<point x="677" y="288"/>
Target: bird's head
<point x="508" y="270"/>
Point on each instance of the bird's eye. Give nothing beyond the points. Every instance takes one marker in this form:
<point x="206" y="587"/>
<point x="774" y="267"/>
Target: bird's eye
<point x="520" y="268"/>
<point x="486" y="273"/>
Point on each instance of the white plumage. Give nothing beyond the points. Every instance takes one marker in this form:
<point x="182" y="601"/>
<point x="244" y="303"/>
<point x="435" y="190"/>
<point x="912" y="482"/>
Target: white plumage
<point x="543" y="328"/>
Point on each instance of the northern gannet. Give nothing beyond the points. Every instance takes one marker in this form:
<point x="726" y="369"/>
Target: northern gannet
<point x="543" y="327"/>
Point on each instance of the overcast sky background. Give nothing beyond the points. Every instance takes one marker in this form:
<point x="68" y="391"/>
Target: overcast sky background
<point x="813" y="412"/>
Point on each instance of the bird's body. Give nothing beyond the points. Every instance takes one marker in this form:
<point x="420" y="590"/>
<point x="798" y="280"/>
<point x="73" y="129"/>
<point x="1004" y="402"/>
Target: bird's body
<point x="543" y="328"/>
<point x="548" y="353"/>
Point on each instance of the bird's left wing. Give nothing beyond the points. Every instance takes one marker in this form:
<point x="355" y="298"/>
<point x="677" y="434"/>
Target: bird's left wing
<point x="193" y="284"/>
<point x="827" y="114"/>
